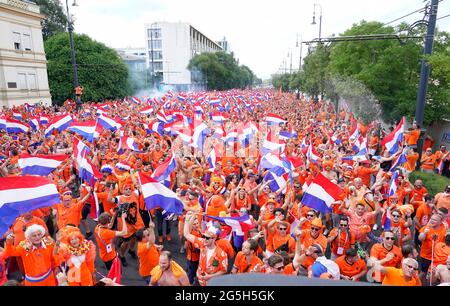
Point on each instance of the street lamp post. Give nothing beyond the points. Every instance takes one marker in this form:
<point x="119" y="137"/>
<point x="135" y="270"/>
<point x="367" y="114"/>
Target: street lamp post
<point x="152" y="56"/>
<point x="424" y="76"/>
<point x="320" y="39"/>
<point x="72" y="48"/>
<point x="320" y="19"/>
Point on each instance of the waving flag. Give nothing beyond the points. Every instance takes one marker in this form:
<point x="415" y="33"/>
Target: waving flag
<point x="79" y="148"/>
<point x="43" y="120"/>
<point x="321" y="193"/>
<point x="59" y="123"/>
<point x="215" y="101"/>
<point x="272" y="119"/>
<point x="400" y="160"/>
<point x="312" y="155"/>
<point x="391" y="141"/>
<point x="155" y="127"/>
<point x="15" y="126"/>
<point x="335" y="139"/>
<point x="212" y="159"/>
<point x="163" y="171"/>
<point x="360" y="145"/>
<point x="22" y="194"/>
<point x="285" y="135"/>
<point x="219" y="132"/>
<point x="86" y="129"/>
<point x="109" y="123"/>
<point x="393" y="184"/>
<point x="240" y="225"/>
<point x="272" y="145"/>
<point x="361" y="155"/>
<point x="218" y="117"/>
<point x="127" y="143"/>
<point x="41" y="165"/>
<point x="88" y="171"/>
<point x="34" y="124"/>
<point x="200" y="133"/>
<point x="270" y="161"/>
<point x="277" y="181"/>
<point x="147" y="110"/>
<point x="115" y="273"/>
<point x="354" y="133"/>
<point x="17" y="116"/>
<point x="157" y="195"/>
<point x="136" y="100"/>
<point x="2" y="122"/>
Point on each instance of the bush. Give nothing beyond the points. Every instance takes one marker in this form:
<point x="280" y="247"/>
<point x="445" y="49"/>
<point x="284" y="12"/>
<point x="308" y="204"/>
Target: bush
<point x="433" y="182"/>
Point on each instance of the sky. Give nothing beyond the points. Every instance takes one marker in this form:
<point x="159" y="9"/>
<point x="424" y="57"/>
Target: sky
<point x="261" y="33"/>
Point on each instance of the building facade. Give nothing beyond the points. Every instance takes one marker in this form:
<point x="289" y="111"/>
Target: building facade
<point x="170" y="47"/>
<point x="224" y="45"/>
<point x="23" y="65"/>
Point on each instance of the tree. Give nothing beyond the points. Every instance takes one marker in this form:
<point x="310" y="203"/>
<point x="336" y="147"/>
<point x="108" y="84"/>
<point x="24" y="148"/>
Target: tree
<point x="55" y="21"/>
<point x="220" y="71"/>
<point x="101" y="71"/>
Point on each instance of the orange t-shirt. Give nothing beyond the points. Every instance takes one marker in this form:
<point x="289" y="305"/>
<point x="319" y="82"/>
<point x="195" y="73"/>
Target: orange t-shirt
<point x="307" y="240"/>
<point x="441" y="253"/>
<point x="395" y="277"/>
<point x="413" y="136"/>
<point x="104" y="237"/>
<point x="21" y="224"/>
<point x="350" y="269"/>
<point x="344" y="240"/>
<point x="71" y="215"/>
<point x="425" y="250"/>
<point x="379" y="252"/>
<point x="411" y="160"/>
<point x="148" y="258"/>
<point x="242" y="266"/>
<point x="423" y="214"/>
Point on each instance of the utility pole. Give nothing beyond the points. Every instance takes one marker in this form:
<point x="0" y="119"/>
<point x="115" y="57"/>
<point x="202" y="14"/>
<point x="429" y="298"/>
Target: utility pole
<point x="424" y="76"/>
<point x="151" y="52"/>
<point x="72" y="48"/>
<point x="290" y="69"/>
<point x="301" y="45"/>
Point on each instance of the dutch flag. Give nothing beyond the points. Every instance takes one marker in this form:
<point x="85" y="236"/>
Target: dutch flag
<point x="59" y="123"/>
<point x="391" y="142"/>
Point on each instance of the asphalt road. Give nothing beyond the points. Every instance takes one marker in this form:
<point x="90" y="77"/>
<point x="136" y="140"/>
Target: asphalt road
<point x="130" y="273"/>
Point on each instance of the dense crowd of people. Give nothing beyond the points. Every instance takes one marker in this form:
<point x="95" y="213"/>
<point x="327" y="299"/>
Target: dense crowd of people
<point x="382" y="228"/>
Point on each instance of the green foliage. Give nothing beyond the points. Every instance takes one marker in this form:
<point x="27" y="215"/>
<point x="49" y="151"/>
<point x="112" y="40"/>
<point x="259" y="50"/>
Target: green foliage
<point x="56" y="19"/>
<point x="101" y="71"/>
<point x="283" y="81"/>
<point x="433" y="182"/>
<point x="387" y="71"/>
<point x="220" y="71"/>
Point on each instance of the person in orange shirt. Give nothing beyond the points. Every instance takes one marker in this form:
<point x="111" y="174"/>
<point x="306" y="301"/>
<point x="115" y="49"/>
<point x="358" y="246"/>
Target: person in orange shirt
<point x="351" y="266"/>
<point x="417" y="193"/>
<point x="36" y="251"/>
<point x="79" y="254"/>
<point x="442" y="251"/>
<point x="22" y="223"/>
<point x="442" y="199"/>
<point x="405" y="276"/>
<point x="309" y="237"/>
<point x="213" y="260"/>
<point x="386" y="254"/>
<point x="411" y="160"/>
<point x="430" y="235"/>
<point x="428" y="161"/>
<point x="412" y="135"/>
<point x="147" y="251"/>
<point x="105" y="236"/>
<point x="281" y="240"/>
<point x="215" y="205"/>
<point x="246" y="260"/>
<point x="365" y="171"/>
<point x="69" y="211"/>
<point x="340" y="238"/>
<point x="134" y="223"/>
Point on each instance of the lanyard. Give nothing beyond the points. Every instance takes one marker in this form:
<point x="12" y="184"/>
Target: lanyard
<point x="339" y="239"/>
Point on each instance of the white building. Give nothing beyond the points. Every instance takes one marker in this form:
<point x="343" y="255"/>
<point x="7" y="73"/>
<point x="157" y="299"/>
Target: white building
<point x="172" y="46"/>
<point x="23" y="65"/>
<point x="134" y="52"/>
<point x="224" y="45"/>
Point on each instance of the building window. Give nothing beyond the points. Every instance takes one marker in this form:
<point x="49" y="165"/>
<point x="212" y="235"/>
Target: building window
<point x="26" y="42"/>
<point x="157" y="55"/>
<point x="22" y="78"/>
<point x="12" y="85"/>
<point x="156" y="65"/>
<point x="31" y="80"/>
<point x="155" y="33"/>
<point x="16" y="40"/>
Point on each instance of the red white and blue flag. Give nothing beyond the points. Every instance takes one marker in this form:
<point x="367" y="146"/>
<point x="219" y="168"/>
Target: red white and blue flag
<point x="163" y="171"/>
<point x="147" y="110"/>
<point x="392" y="141"/>
<point x="88" y="172"/>
<point x="212" y="159"/>
<point x="59" y="123"/>
<point x="157" y="195"/>
<point x="272" y="119"/>
<point x="34" y="123"/>
<point x="15" y="126"/>
<point x="109" y="123"/>
<point x="22" y="194"/>
<point x="86" y="129"/>
<point x="41" y="165"/>
<point x="321" y="193"/>
<point x="79" y="148"/>
<point x="127" y="143"/>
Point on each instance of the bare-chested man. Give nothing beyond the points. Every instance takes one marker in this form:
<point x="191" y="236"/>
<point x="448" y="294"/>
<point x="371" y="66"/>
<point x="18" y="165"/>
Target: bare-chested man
<point x="442" y="273"/>
<point x="168" y="272"/>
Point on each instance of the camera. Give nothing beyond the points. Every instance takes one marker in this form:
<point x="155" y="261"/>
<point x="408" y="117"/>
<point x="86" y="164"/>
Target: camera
<point x="122" y="208"/>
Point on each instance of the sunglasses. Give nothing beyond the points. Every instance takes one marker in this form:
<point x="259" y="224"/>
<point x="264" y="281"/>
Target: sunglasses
<point x="282" y="228"/>
<point x="343" y="225"/>
<point x="206" y="237"/>
<point x="310" y="215"/>
<point x="396" y="216"/>
<point x="411" y="267"/>
<point x="389" y="238"/>
<point x="315" y="229"/>
<point x="280" y="268"/>
<point x="296" y="186"/>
